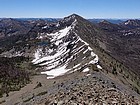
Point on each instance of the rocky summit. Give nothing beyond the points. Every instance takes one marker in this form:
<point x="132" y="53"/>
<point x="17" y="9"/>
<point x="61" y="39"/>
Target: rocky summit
<point x="70" y="61"/>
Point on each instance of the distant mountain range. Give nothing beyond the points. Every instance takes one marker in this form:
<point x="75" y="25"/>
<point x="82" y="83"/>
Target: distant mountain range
<point x="95" y="20"/>
<point x="115" y="21"/>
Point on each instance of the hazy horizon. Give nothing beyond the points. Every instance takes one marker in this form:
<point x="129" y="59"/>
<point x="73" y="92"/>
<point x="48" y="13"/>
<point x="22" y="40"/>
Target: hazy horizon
<point x="62" y="18"/>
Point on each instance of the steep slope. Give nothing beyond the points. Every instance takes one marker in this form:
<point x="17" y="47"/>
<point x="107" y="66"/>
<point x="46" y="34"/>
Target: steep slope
<point x="111" y="48"/>
<point x="124" y="40"/>
<point x="67" y="51"/>
<point x="64" y="51"/>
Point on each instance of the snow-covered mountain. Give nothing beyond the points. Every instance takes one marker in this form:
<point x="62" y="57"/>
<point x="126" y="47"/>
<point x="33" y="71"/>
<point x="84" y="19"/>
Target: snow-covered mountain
<point x="66" y="53"/>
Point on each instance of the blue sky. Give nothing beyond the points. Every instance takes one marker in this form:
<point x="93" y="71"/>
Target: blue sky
<point x="61" y="8"/>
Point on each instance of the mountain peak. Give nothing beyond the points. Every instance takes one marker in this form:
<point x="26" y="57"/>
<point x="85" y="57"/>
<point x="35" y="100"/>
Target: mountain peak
<point x="73" y="17"/>
<point x="131" y="22"/>
<point x="105" y="22"/>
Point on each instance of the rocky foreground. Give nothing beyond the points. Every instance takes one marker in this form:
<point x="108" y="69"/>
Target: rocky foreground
<point x="91" y="89"/>
<point x="91" y="93"/>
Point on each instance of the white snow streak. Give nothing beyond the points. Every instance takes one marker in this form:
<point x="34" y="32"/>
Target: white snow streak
<point x="86" y="70"/>
<point x="99" y="67"/>
<point x="52" y="61"/>
<point x="56" y="72"/>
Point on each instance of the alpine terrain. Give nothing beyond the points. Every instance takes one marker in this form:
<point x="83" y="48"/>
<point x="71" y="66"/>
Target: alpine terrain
<point x="70" y="61"/>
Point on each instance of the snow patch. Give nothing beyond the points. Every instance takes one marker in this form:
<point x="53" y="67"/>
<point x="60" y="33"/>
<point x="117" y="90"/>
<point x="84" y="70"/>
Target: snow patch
<point x="37" y="55"/>
<point x="18" y="53"/>
<point x="44" y="27"/>
<point x="76" y="65"/>
<point x="88" y="74"/>
<point x="85" y="51"/>
<point x="85" y="70"/>
<point x="93" y="54"/>
<point x="56" y="72"/>
<point x="52" y="58"/>
<point x="95" y="60"/>
<point x="99" y="67"/>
